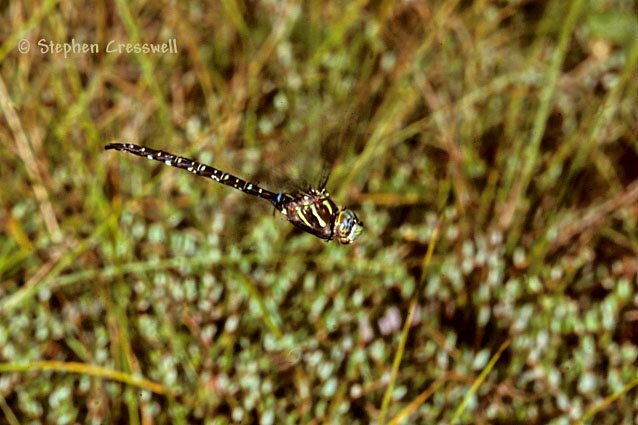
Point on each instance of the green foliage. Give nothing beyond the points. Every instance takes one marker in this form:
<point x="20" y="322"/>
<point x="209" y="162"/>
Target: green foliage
<point x="135" y="293"/>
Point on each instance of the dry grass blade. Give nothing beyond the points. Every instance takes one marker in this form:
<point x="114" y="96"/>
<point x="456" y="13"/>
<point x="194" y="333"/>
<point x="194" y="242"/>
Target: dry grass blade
<point x="50" y="271"/>
<point x="417" y="402"/>
<point x="606" y="402"/>
<point x="459" y="411"/>
<point x="30" y="164"/>
<point x="591" y="220"/>
<point x="11" y="41"/>
<point x="406" y="329"/>
<point x="8" y="413"/>
<point x="85" y="369"/>
<point x="530" y="155"/>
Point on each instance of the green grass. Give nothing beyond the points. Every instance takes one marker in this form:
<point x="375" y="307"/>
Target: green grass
<point x="490" y="148"/>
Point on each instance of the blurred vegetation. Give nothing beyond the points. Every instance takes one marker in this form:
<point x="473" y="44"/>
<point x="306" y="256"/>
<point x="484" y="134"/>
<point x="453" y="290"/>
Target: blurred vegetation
<point x="131" y="292"/>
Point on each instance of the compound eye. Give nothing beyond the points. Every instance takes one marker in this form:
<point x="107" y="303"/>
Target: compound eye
<point x="347" y="225"/>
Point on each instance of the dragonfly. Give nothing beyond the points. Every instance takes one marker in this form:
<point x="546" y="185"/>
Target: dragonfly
<point x="311" y="210"/>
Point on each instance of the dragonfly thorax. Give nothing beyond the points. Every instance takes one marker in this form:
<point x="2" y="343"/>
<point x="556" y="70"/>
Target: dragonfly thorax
<point x="316" y="213"/>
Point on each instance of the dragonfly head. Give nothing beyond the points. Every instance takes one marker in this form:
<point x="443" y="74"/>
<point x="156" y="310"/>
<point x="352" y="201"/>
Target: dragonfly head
<point x="347" y="226"/>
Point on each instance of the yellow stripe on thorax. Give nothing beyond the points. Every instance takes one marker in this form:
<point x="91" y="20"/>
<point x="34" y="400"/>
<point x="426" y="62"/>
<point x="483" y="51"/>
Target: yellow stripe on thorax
<point x="313" y="208"/>
<point x="302" y="216"/>
<point x="327" y="204"/>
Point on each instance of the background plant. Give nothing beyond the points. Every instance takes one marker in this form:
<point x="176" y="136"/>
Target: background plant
<point x="131" y="292"/>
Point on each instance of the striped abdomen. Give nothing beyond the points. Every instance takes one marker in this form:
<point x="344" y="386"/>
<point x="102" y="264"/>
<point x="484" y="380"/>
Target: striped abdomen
<point x="196" y="168"/>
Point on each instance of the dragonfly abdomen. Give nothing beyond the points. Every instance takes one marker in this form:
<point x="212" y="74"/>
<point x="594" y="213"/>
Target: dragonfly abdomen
<point x="196" y="168"/>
